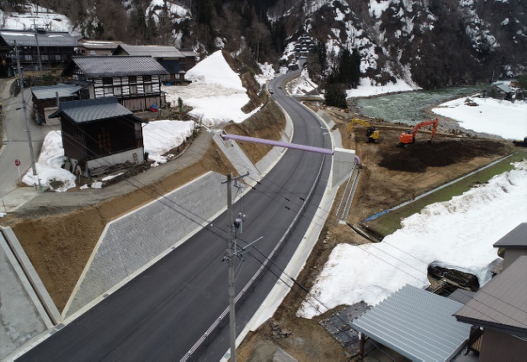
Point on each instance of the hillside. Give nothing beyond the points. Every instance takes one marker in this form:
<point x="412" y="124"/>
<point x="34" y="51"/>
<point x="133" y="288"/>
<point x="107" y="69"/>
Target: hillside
<point x="428" y="43"/>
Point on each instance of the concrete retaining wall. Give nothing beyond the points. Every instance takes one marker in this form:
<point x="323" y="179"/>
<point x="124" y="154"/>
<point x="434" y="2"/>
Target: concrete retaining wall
<point x="124" y="249"/>
<point x="22" y="317"/>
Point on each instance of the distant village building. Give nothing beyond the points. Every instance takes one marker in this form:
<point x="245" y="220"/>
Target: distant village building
<point x="304" y="45"/>
<point x="54" y="48"/>
<point x="96" y="47"/>
<point x="98" y="133"/>
<point x="134" y="80"/>
<point x="175" y="62"/>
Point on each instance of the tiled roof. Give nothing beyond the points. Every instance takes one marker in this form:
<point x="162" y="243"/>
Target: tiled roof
<point x="88" y="110"/>
<point x="156" y="51"/>
<point x="118" y="66"/>
<point x="516" y="238"/>
<point x="501" y="304"/>
<point x="50" y="92"/>
<point x="45" y="38"/>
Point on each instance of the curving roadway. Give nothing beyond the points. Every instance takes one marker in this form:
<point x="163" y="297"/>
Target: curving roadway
<point x="163" y="312"/>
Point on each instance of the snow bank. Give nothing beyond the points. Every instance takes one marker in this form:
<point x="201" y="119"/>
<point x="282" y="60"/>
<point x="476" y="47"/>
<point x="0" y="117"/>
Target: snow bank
<point x="215" y="70"/>
<point x="368" y="88"/>
<point x="159" y="137"/>
<point x="216" y="94"/>
<point x="49" y="165"/>
<point x="492" y="116"/>
<point x="457" y="234"/>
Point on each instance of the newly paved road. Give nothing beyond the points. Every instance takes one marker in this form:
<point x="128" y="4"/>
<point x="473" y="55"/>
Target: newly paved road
<point x="160" y="315"/>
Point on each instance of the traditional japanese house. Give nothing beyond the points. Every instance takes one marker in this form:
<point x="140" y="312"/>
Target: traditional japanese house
<point x="53" y="47"/>
<point x="98" y="133"/>
<point x="134" y="80"/>
<point x="45" y="98"/>
<point x="168" y="56"/>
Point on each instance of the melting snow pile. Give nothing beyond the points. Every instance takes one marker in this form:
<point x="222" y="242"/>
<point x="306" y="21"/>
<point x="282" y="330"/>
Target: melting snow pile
<point x="488" y="115"/>
<point x="455" y="234"/>
<point x="161" y="136"/>
<point x="216" y="93"/>
<point x="49" y="166"/>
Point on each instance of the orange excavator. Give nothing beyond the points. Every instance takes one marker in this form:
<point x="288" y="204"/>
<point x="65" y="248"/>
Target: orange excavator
<point x="408" y="137"/>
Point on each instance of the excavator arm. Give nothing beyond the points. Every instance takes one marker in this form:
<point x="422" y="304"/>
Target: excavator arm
<point x="408" y="137"/>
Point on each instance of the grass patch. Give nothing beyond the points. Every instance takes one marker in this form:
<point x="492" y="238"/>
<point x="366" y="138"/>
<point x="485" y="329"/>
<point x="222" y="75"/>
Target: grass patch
<point x="390" y="222"/>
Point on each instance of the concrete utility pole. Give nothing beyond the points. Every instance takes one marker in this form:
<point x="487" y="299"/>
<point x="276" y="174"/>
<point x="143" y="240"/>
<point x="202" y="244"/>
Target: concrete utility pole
<point x="231" y="251"/>
<point x="38" y="48"/>
<point x="21" y="80"/>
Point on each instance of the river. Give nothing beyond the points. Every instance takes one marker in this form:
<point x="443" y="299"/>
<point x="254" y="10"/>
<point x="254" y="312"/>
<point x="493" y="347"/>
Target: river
<point x="409" y="107"/>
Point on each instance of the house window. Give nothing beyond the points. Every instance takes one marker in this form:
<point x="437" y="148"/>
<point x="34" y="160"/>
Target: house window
<point x="108" y="91"/>
<point x="93" y="52"/>
<point x="147" y="78"/>
<point x="107" y="81"/>
<point x="133" y="89"/>
<point x="117" y="91"/>
<point x="28" y="57"/>
<point x="132" y="79"/>
<point x="44" y="57"/>
<point x="148" y="88"/>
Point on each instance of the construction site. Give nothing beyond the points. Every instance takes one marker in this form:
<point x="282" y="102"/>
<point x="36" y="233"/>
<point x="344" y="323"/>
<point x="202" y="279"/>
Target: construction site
<point x="414" y="163"/>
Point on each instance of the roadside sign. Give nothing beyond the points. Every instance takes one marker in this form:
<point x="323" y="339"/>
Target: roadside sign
<point x="17" y="162"/>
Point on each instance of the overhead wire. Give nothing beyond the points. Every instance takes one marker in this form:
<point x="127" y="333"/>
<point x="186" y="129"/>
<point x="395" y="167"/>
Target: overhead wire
<point x="257" y="249"/>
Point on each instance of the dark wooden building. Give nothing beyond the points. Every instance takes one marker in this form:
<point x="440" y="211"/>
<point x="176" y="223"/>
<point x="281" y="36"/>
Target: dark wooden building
<point x="134" y="80"/>
<point x="168" y="56"/>
<point x="54" y="48"/>
<point x="99" y="133"/>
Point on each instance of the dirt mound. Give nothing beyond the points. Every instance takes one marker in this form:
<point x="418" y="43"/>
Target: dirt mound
<point x="419" y="156"/>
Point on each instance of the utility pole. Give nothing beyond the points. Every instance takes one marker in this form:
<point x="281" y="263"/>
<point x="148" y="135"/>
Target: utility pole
<point x="38" y="48"/>
<point x="21" y="80"/>
<point x="231" y="251"/>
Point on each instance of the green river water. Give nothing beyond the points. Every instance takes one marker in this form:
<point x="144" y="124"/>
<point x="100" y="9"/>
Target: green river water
<point x="409" y="107"/>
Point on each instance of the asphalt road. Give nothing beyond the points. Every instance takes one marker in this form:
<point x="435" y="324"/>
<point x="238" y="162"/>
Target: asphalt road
<point x="163" y="312"/>
<point x="16" y="141"/>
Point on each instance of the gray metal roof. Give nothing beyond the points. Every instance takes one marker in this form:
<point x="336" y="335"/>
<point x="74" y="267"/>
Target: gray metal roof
<point x="45" y="38"/>
<point x="188" y="52"/>
<point x="462" y="296"/>
<point x="417" y="324"/>
<point x="88" y="110"/>
<point x="118" y="66"/>
<point x="99" y="44"/>
<point x="49" y="92"/>
<point x="502" y="303"/>
<point x="156" y="51"/>
<point x="516" y="238"/>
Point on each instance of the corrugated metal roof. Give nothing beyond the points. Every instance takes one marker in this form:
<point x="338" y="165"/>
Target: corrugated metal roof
<point x="516" y="238"/>
<point x="118" y="66"/>
<point x="45" y="38"/>
<point x="49" y="92"/>
<point x="417" y="324"/>
<point x="88" y="110"/>
<point x="502" y="303"/>
<point x="156" y="51"/>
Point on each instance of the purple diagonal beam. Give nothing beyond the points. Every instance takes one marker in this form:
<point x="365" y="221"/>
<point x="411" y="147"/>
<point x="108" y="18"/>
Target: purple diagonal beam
<point x="296" y="146"/>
